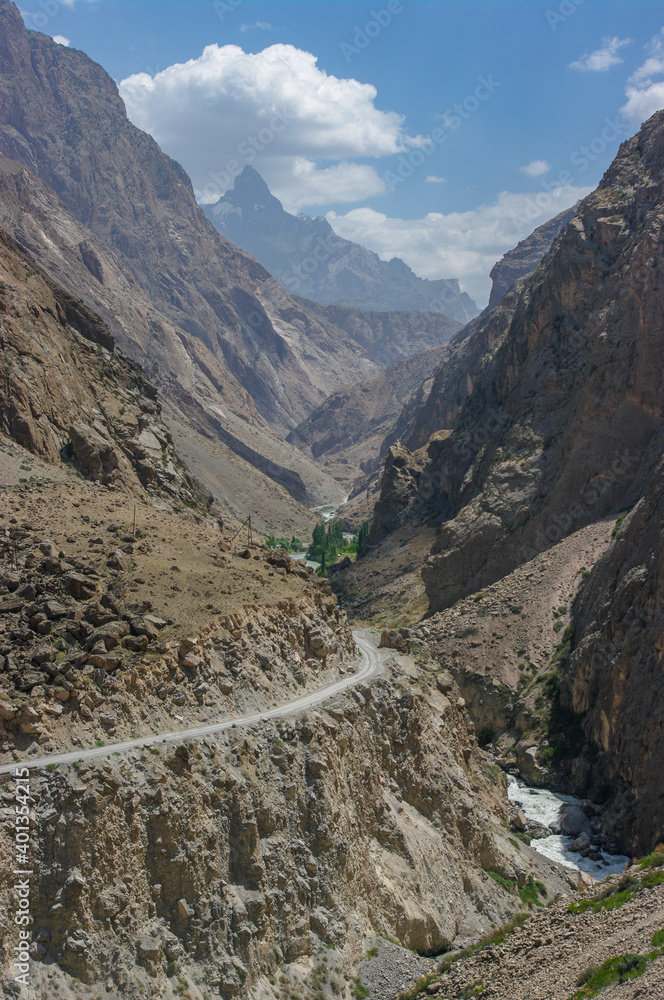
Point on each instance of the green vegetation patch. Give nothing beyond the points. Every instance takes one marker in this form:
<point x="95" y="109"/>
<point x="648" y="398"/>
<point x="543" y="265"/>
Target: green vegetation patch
<point x="465" y="633"/>
<point x="654" y="860"/>
<point x="292" y="545"/>
<point x="651" y="879"/>
<point x="615" y="970"/>
<point x="611" y="902"/>
<point x="531" y="891"/>
<point x="502" y="880"/>
<point x="658" y="939"/>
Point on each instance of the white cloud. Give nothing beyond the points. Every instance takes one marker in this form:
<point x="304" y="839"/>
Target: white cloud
<point x="463" y="245"/>
<point x="274" y="109"/>
<point x="603" y="58"/>
<point x="432" y="179"/>
<point x="535" y="168"/>
<point x="257" y="26"/>
<point x="61" y="40"/>
<point x="645" y="94"/>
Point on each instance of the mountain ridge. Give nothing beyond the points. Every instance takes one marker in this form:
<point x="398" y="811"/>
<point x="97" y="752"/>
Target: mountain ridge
<point x="312" y="261"/>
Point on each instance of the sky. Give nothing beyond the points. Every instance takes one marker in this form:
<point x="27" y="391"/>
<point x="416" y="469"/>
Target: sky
<point x="439" y="132"/>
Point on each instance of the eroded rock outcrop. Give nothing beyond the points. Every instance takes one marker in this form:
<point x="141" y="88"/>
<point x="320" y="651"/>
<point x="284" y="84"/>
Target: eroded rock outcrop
<point x="228" y="859"/>
<point x="66" y="393"/>
<point x="613" y="678"/>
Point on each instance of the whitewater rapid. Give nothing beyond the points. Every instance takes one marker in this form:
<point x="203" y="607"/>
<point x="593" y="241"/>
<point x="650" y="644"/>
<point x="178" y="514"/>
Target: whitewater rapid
<point x="543" y="806"/>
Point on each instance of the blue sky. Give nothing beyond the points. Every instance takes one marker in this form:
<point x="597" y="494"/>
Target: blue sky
<point x="364" y="95"/>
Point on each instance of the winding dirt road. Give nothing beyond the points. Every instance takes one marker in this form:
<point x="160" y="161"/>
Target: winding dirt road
<point x="371" y="662"/>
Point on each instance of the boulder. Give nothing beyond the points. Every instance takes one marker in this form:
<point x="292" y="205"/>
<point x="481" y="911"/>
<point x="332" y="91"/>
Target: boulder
<point x="444" y="682"/>
<point x="581" y="843"/>
<point x="391" y="639"/>
<point x="519" y="821"/>
<point x="44" y="654"/>
<point x="7" y="710"/>
<point x="11" y="604"/>
<point x="108" y="661"/>
<point x="49" y="549"/>
<point x="574" y="821"/>
<point x="135" y="643"/>
<point x="117" y="560"/>
<point x="95" y="455"/>
<point x="148" y="947"/>
<point x="145" y="627"/>
<point x="79" y="586"/>
<point x="321" y="641"/>
<point x="110" y="634"/>
<point x="9" y="579"/>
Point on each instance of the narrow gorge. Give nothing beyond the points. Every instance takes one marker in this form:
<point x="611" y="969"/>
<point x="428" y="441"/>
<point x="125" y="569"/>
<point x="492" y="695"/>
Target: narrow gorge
<point x="331" y="611"/>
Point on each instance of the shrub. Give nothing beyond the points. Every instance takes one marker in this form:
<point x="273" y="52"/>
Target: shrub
<point x="614" y="970"/>
<point x="651" y="879"/>
<point x="655" y="859"/>
<point x="465" y="633"/>
<point x="658" y="939"/>
<point x="503" y="880"/>
<point x="529" y="892"/>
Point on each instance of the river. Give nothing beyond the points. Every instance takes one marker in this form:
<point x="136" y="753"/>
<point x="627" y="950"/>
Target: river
<point x="543" y="806"/>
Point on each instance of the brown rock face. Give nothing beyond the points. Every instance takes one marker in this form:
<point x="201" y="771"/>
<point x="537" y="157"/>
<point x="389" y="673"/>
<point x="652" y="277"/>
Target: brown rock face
<point x="353" y="429"/>
<point x="389" y="337"/>
<point x="614" y="674"/>
<point x="65" y="393"/>
<point x="94" y="453"/>
<point x="564" y="421"/>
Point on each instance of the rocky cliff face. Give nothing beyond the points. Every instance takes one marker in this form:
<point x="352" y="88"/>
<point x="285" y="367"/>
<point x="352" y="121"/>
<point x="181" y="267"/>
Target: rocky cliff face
<point x="236" y="861"/>
<point x="567" y="402"/>
<point x="549" y="418"/>
<point x="613" y="678"/>
<point x="416" y="400"/>
<point x="309" y="259"/>
<point x="525" y="256"/>
<point x="66" y="394"/>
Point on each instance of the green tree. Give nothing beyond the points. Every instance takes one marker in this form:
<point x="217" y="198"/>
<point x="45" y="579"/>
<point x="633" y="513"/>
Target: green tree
<point x="362" y="536"/>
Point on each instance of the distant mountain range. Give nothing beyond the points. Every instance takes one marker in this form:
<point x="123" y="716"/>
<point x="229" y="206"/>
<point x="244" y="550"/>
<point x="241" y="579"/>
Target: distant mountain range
<point x="309" y="259"/>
